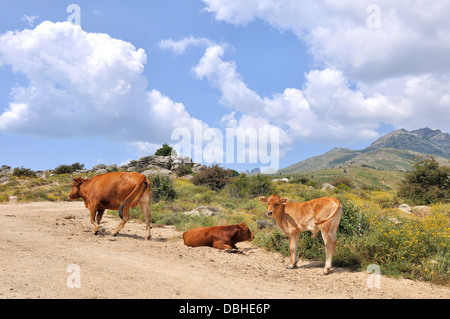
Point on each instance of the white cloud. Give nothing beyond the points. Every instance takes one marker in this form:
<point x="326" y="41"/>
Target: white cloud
<point x="396" y="73"/>
<point x="84" y="84"/>
<point x="412" y="37"/>
<point x="303" y="114"/>
<point x="223" y="75"/>
<point x="180" y="46"/>
<point x="328" y="107"/>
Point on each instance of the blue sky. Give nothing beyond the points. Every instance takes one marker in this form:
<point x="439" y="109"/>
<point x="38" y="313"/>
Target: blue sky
<point x="116" y="87"/>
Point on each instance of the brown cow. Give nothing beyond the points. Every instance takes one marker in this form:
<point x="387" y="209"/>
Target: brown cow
<point x="117" y="191"/>
<point x="220" y="237"/>
<point x="322" y="214"/>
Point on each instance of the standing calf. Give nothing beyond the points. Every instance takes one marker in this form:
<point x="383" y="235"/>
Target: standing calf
<point x="322" y="214"/>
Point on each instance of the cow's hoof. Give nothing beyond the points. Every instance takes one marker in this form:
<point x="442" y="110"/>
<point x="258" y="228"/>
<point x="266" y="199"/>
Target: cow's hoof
<point x="291" y="267"/>
<point x="95" y="233"/>
<point x="326" y="271"/>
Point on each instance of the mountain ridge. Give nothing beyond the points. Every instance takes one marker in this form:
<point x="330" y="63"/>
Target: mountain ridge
<point x="392" y="152"/>
<point x="423" y="140"/>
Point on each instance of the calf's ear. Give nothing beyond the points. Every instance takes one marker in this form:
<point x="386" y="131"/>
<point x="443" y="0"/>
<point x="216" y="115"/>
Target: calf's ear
<point x="263" y="199"/>
<point x="284" y="200"/>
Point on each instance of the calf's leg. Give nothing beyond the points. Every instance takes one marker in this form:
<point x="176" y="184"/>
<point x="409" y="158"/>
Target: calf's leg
<point x="330" y="244"/>
<point x="293" y="243"/>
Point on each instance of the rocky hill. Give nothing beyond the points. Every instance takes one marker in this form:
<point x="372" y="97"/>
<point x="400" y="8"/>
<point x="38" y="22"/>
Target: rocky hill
<point x="392" y="152"/>
<point x="424" y="140"/>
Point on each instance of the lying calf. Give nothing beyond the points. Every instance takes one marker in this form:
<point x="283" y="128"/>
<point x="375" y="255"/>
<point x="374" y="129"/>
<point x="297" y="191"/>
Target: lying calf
<point x="220" y="237"/>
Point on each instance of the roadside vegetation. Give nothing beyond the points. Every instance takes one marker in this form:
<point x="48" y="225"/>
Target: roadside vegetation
<point x="373" y="230"/>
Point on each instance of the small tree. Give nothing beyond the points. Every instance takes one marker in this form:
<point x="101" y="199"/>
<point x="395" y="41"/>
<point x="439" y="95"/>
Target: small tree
<point x="24" y="172"/>
<point x="215" y="177"/>
<point x="427" y="183"/>
<point x="68" y="169"/>
<point x="165" y="150"/>
<point x="162" y="188"/>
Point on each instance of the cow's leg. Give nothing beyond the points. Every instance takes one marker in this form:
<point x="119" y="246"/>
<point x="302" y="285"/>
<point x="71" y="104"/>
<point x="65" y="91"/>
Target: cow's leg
<point x="147" y="217"/>
<point x="221" y="245"/>
<point x="293" y="243"/>
<point x="126" y="217"/>
<point x="100" y="213"/>
<point x="93" y="212"/>
<point x="329" y="239"/>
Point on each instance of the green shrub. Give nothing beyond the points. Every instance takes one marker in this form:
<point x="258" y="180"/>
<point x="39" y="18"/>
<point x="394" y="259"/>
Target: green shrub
<point x="427" y="183"/>
<point x="215" y="177"/>
<point x="184" y="170"/>
<point x="24" y="172"/>
<point x="300" y="179"/>
<point x="273" y="240"/>
<point x="250" y="187"/>
<point x="353" y="221"/>
<point x="162" y="188"/>
<point x="165" y="150"/>
<point x="343" y="182"/>
<point x="68" y="169"/>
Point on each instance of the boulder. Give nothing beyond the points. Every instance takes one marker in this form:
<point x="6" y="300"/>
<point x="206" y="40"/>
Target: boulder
<point x="99" y="166"/>
<point x="143" y="162"/>
<point x="6" y="170"/>
<point x="281" y="180"/>
<point x="326" y="187"/>
<point x="171" y="163"/>
<point x="155" y="170"/>
<point x="41" y="174"/>
<point x="405" y="208"/>
<point x="203" y="210"/>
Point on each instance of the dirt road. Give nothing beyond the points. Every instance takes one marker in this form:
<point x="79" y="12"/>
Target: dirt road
<point x="46" y="248"/>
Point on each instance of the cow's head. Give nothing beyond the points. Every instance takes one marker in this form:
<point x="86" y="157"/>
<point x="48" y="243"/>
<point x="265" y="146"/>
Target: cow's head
<point x="275" y="204"/>
<point x="75" y="193"/>
<point x="244" y="232"/>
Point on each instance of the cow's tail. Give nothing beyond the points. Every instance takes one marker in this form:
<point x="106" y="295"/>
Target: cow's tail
<point x="140" y="188"/>
<point x="338" y="209"/>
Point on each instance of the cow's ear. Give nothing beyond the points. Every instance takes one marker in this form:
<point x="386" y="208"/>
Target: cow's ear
<point x="78" y="181"/>
<point x="284" y="200"/>
<point x="263" y="199"/>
